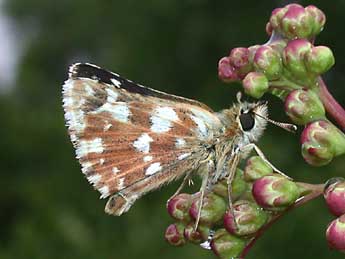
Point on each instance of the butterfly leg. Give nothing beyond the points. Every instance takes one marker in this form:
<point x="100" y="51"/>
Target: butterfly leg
<point x="232" y="171"/>
<point x="204" y="184"/>
<point x="186" y="179"/>
<point x="251" y="146"/>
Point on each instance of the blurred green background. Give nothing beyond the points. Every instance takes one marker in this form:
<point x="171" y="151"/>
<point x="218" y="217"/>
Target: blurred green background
<point x="47" y="208"/>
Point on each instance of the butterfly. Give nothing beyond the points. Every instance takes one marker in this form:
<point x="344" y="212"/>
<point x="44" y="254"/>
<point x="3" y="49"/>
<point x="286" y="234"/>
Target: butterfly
<point x="131" y="139"/>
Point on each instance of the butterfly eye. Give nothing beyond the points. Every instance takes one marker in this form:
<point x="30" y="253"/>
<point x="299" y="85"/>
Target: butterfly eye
<point x="247" y="121"/>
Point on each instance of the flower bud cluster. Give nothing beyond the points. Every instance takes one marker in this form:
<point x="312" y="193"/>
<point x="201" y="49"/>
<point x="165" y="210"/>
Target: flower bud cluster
<point x="289" y="66"/>
<point x="334" y="194"/>
<point x="257" y="195"/>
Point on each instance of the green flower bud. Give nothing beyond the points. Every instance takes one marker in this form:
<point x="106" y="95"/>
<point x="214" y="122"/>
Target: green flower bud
<point x="249" y="218"/>
<point x="319" y="19"/>
<point x="227" y="246"/>
<point x="275" y="192"/>
<point x="256" y="168"/>
<point x="293" y="57"/>
<point x="213" y="209"/>
<point x="297" y="23"/>
<point x="196" y="236"/>
<point x="178" y="207"/>
<point x="255" y="84"/>
<point x="268" y="61"/>
<point x="319" y="60"/>
<point x="238" y="185"/>
<point x="321" y="142"/>
<point x="304" y="106"/>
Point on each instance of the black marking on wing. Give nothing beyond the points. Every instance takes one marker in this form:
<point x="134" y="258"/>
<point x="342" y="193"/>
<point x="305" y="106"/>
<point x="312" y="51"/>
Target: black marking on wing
<point x="85" y="70"/>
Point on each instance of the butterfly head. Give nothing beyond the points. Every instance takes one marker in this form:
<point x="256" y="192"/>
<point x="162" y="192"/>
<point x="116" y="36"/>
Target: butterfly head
<point x="251" y="119"/>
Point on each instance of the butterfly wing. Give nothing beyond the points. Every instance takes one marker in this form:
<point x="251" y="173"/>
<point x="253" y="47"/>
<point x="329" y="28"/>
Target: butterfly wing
<point x="130" y="139"/>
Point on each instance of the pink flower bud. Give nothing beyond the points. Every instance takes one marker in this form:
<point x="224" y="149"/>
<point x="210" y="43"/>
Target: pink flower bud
<point x="178" y="207"/>
<point x="196" y="236"/>
<point x="174" y="234"/>
<point x="321" y="142"/>
<point x="249" y="218"/>
<point x="318" y="17"/>
<point x="275" y="192"/>
<point x="226" y="246"/>
<point x="213" y="209"/>
<point x="335" y="197"/>
<point x="226" y="71"/>
<point x="268" y="61"/>
<point x="293" y="56"/>
<point x="335" y="234"/>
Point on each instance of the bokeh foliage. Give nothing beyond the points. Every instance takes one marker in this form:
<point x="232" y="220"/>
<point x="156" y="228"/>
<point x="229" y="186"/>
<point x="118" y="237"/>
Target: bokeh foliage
<point x="47" y="209"/>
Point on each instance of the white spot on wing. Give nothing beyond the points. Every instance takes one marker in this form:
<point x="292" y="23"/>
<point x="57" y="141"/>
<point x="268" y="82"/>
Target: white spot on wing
<point x="121" y="183"/>
<point x="101" y="161"/>
<point x="112" y="95"/>
<point x="142" y="144"/>
<point x="115" y="170"/>
<point x="147" y="158"/>
<point x="86" y="167"/>
<point x="116" y="82"/>
<point x="180" y="142"/>
<point x="88" y="90"/>
<point x="94" y="179"/>
<point x="153" y="168"/>
<point x="89" y="146"/>
<point x="183" y="156"/>
<point x="119" y="111"/>
<point x="107" y="127"/>
<point x="162" y="118"/>
<point x="104" y="192"/>
<point x="202" y="129"/>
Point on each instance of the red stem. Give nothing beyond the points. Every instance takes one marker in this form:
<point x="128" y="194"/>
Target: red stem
<point x="332" y="106"/>
<point x="313" y="191"/>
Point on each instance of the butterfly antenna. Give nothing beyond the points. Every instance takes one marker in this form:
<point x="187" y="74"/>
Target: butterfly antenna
<point x="287" y="126"/>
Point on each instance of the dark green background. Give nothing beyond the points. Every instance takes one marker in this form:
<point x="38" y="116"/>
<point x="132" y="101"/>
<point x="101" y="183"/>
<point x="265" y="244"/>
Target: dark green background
<point x="47" y="208"/>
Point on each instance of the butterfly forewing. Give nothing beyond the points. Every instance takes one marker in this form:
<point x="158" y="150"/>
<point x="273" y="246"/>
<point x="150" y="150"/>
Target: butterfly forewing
<point x="129" y="136"/>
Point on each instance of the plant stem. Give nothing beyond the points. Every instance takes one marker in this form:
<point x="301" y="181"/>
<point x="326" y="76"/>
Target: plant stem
<point x="311" y="191"/>
<point x="332" y="106"/>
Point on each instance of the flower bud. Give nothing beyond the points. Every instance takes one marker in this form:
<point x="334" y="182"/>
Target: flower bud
<point x="226" y="246"/>
<point x="319" y="60"/>
<point x="275" y="192"/>
<point x="196" y="236"/>
<point x="303" y="106"/>
<point x="321" y="141"/>
<point x="293" y="56"/>
<point x="335" y="197"/>
<point x="335" y="234"/>
<point x="249" y="218"/>
<point x="213" y="209"/>
<point x="297" y="22"/>
<point x="293" y="21"/>
<point x="239" y="59"/>
<point x="268" y="61"/>
<point x="238" y="185"/>
<point x="256" y="168"/>
<point x="178" y="207"/>
<point x="255" y="84"/>
<point x="174" y="234"/>
<point x="226" y="71"/>
<point x="319" y="19"/>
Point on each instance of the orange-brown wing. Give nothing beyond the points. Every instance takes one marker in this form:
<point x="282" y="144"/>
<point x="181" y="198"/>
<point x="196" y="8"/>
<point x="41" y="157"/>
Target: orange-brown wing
<point x="125" y="133"/>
